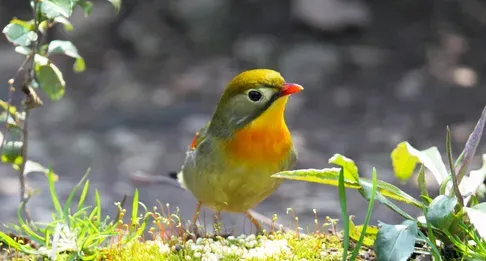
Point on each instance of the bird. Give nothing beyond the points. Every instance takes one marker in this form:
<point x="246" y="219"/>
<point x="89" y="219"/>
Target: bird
<point x="230" y="161"/>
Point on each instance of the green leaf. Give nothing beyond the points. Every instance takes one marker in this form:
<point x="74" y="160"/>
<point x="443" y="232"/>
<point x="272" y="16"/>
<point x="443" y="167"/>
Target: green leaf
<point x="87" y="7"/>
<point x="366" y="192"/>
<point x="54" y="8"/>
<point x="477" y="216"/>
<point x="116" y="4"/>
<point x="32" y="166"/>
<point x="12" y="152"/>
<point x="440" y="210"/>
<point x="355" y="232"/>
<point x="50" y="78"/>
<point x="4" y="118"/>
<point x="390" y="191"/>
<point x="19" y="33"/>
<point x="350" y="168"/>
<point x="12" y="109"/>
<point x="395" y="242"/>
<point x="67" y="48"/>
<point x="64" y="21"/>
<point x="330" y="176"/>
<point x="23" y="50"/>
<point x="405" y="158"/>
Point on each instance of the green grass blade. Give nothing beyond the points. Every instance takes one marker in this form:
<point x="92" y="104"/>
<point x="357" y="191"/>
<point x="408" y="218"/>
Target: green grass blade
<point x="98" y="205"/>
<point x="135" y="208"/>
<point x="27" y="249"/>
<point x="52" y="190"/>
<point x="452" y="171"/>
<point x="367" y="218"/>
<point x="344" y="214"/>
<point x="435" y="250"/>
<point x="32" y="235"/>
<point x="84" y="193"/>
<point x="69" y="200"/>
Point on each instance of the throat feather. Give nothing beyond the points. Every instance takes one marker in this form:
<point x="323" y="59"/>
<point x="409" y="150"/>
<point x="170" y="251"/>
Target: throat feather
<point x="265" y="139"/>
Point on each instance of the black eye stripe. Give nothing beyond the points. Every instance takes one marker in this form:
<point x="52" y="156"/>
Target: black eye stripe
<point x="254" y="95"/>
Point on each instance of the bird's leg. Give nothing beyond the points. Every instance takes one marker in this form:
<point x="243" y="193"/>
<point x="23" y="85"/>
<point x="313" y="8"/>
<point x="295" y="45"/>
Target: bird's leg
<point x="255" y="222"/>
<point x="194" y="219"/>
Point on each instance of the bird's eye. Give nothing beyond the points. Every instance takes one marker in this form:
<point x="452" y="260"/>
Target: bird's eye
<point x="254" y="95"/>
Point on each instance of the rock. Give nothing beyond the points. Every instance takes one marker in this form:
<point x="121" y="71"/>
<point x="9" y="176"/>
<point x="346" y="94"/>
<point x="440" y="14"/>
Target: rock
<point x="331" y="15"/>
<point x="411" y="85"/>
<point x="309" y="63"/>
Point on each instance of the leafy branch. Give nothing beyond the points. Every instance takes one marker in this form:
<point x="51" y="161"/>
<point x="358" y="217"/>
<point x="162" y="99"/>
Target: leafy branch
<point x="39" y="74"/>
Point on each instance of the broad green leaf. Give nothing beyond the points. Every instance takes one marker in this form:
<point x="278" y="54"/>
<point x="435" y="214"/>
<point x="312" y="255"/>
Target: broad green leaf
<point x="11" y="152"/>
<point x="87" y="7"/>
<point x="116" y="4"/>
<point x="50" y="78"/>
<point x="4" y="105"/>
<point x="4" y="118"/>
<point x="390" y="191"/>
<point x="19" y="33"/>
<point x="43" y="26"/>
<point x="405" y="158"/>
<point x="370" y="233"/>
<point x="67" y="48"/>
<point x="350" y="168"/>
<point x="330" y="176"/>
<point x="365" y="191"/>
<point x="440" y="210"/>
<point x="32" y="167"/>
<point x="471" y="184"/>
<point x="64" y="21"/>
<point x="477" y="216"/>
<point x="23" y="50"/>
<point x="395" y="242"/>
<point x="54" y="8"/>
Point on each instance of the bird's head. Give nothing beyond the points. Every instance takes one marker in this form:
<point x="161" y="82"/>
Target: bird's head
<point x="248" y="96"/>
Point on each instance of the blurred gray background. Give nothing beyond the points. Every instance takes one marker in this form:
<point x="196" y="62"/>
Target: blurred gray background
<point x="375" y="73"/>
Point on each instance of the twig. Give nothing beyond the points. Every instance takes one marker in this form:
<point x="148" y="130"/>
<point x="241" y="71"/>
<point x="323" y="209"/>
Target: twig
<point x="24" y="196"/>
<point x="30" y="101"/>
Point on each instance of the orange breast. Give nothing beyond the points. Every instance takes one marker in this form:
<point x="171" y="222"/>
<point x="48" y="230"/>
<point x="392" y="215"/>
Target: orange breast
<point x="260" y="145"/>
<point x="266" y="139"/>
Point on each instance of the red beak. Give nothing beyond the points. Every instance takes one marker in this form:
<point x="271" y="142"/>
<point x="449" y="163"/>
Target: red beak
<point x="290" y="88"/>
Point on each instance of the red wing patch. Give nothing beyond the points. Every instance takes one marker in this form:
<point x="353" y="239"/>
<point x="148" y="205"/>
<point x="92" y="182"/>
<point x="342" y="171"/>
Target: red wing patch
<point x="194" y="141"/>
